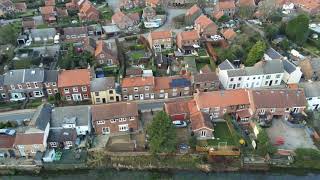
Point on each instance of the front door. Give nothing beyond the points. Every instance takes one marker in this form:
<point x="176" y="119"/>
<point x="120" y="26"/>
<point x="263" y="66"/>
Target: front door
<point x="76" y="97"/>
<point x="270" y="83"/>
<point x="152" y="96"/>
<point x="166" y="95"/>
<point x="141" y="96"/>
<point x="103" y="100"/>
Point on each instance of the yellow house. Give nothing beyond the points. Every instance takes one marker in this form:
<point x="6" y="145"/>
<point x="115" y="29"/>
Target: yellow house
<point x="103" y="90"/>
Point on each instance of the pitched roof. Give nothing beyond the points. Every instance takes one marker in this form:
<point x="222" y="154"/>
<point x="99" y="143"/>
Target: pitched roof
<point x="43" y="33"/>
<point x="222" y="98"/>
<point x="189" y="35"/>
<point x="41" y="117"/>
<point x="62" y="135"/>
<point x="102" y="84"/>
<point x="200" y="120"/>
<point x="273" y="54"/>
<point x="236" y="72"/>
<point x="160" y="35"/>
<point x="205" y="69"/>
<point x="29" y="139"/>
<point x="247" y="3"/>
<point x="278" y="98"/>
<point x="19" y="76"/>
<point x="51" y="76"/>
<point x="47" y="10"/>
<point x="203" y="21"/>
<point x="21" y="6"/>
<point x="137" y="81"/>
<point x="62" y="12"/>
<point x="177" y="107"/>
<point x="194" y="9"/>
<point x="288" y="66"/>
<point x="50" y="2"/>
<point x="206" y="77"/>
<point x="155" y="2"/>
<point x="271" y="67"/>
<point x="75" y="30"/>
<point x="101" y="46"/>
<point x="229" y="34"/>
<point x="226" y="4"/>
<point x="6" y="141"/>
<point x="114" y="110"/>
<point x="66" y="78"/>
<point x="81" y="114"/>
<point x="311" y="89"/>
<point x="217" y="14"/>
<point x="226" y="65"/>
<point x="162" y="83"/>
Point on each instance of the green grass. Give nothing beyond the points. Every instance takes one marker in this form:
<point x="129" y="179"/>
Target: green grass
<point x="34" y="103"/>
<point x="202" y="52"/>
<point x="312" y="48"/>
<point x="136" y="55"/>
<point x="134" y="10"/>
<point x="42" y="26"/>
<point x="10" y="105"/>
<point x="221" y="134"/>
<point x="106" y="12"/>
<point x="22" y="64"/>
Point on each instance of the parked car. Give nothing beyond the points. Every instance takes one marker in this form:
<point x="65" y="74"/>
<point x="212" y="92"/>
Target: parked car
<point x="10" y="132"/>
<point x="179" y="124"/>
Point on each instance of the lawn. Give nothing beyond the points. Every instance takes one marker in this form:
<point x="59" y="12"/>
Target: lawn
<point x="202" y="52"/>
<point x="134" y="10"/>
<point x="137" y="55"/>
<point x="106" y="12"/>
<point x="221" y="134"/>
<point x="10" y="105"/>
<point x="32" y="104"/>
<point x="22" y="64"/>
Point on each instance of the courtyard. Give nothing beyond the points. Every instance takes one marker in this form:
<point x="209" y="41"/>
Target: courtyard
<point x="293" y="137"/>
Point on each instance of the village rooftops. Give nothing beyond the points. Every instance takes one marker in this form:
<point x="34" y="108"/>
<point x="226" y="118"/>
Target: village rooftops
<point x="189" y="35"/>
<point x="51" y="76"/>
<point x="77" y="77"/>
<point x="226" y="4"/>
<point x="222" y="98"/>
<point x="177" y="107"/>
<point x="155" y="35"/>
<point x="114" y="110"/>
<point x="226" y="65"/>
<point x="203" y="21"/>
<point x="6" y="141"/>
<point x="206" y="77"/>
<point x="289" y="66"/>
<point x="29" y="139"/>
<point x="75" y="30"/>
<point x="278" y="98"/>
<point x="200" y="120"/>
<point x="247" y="3"/>
<point x="20" y="76"/>
<point x="137" y="81"/>
<point x="194" y="9"/>
<point x="311" y="89"/>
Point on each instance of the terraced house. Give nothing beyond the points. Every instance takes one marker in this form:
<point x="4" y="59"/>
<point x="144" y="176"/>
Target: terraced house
<point x="160" y="40"/>
<point x="138" y="88"/>
<point x="115" y="118"/>
<point x="172" y="86"/>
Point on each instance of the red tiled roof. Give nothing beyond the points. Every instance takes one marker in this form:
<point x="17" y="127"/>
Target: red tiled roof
<point x="222" y="98"/>
<point x="160" y="34"/>
<point x="177" y="107"/>
<point x="228" y="34"/>
<point x="226" y="4"/>
<point x="199" y="121"/>
<point x="137" y="82"/>
<point x="247" y="3"/>
<point x="29" y="139"/>
<point x="193" y="10"/>
<point x="47" y="10"/>
<point x="21" y="6"/>
<point x="203" y="21"/>
<point x="77" y="77"/>
<point x="218" y="14"/>
<point x="114" y="110"/>
<point x="6" y="141"/>
<point x="189" y="35"/>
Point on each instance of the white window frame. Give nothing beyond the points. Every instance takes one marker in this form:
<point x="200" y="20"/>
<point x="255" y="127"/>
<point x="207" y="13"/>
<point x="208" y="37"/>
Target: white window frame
<point x="84" y="88"/>
<point x="132" y="118"/>
<point x="136" y="89"/>
<point x="75" y="89"/>
<point x="49" y="91"/>
<point x="123" y="127"/>
<point x="105" y="132"/>
<point x="66" y="90"/>
<point x="100" y="122"/>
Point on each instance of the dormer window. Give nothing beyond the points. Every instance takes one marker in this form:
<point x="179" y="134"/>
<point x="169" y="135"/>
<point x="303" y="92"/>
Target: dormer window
<point x="36" y="85"/>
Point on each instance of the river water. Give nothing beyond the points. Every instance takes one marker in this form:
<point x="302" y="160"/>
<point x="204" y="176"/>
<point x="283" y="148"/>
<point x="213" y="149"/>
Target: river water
<point x="181" y="175"/>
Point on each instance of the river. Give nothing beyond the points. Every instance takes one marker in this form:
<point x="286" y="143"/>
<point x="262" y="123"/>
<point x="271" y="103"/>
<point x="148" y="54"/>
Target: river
<point x="142" y="175"/>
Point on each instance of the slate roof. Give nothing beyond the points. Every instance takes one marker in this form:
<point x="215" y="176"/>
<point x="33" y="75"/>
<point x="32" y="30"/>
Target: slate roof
<point x="181" y="82"/>
<point x="236" y="72"/>
<point x="253" y="71"/>
<point x="46" y="32"/>
<point x="23" y="75"/>
<point x="273" y="66"/>
<point x="81" y="113"/>
<point x="288" y="66"/>
<point x="51" y="76"/>
<point x="114" y="110"/>
<point x="206" y="77"/>
<point x="273" y="54"/>
<point x="62" y="135"/>
<point x="225" y="65"/>
<point x="311" y="89"/>
<point x="102" y="84"/>
<point x="42" y="117"/>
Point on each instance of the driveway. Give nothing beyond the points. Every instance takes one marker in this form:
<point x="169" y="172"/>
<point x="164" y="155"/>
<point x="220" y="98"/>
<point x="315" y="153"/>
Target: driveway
<point x="294" y="137"/>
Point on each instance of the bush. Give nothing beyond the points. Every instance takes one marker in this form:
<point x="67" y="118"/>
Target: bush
<point x="131" y="38"/>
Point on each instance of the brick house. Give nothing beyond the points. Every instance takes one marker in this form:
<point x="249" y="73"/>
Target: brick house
<point x="188" y="41"/>
<point x="201" y="125"/>
<point x="124" y="21"/>
<point x="115" y="118"/>
<point x="218" y="103"/>
<point x="51" y="82"/>
<point x="206" y="82"/>
<point x="74" y="89"/>
<point x="21" y="7"/>
<point x="205" y="26"/>
<point x="172" y="86"/>
<point x="134" y="88"/>
<point x="28" y="23"/>
<point x="228" y="7"/>
<point x="192" y="14"/>
<point x="62" y="138"/>
<point x="178" y="110"/>
<point x="88" y="12"/>
<point x="48" y="14"/>
<point x="104" y="55"/>
<point x="268" y="104"/>
<point x="160" y="40"/>
<point x="75" y="34"/>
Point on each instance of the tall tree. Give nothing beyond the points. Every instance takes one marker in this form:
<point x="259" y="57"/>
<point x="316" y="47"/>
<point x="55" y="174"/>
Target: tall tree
<point x="256" y="53"/>
<point x="162" y="134"/>
<point x="297" y="29"/>
<point x="8" y="34"/>
<point x="267" y="8"/>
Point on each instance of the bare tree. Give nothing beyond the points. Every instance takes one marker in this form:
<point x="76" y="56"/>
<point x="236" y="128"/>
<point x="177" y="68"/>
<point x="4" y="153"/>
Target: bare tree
<point x="267" y="7"/>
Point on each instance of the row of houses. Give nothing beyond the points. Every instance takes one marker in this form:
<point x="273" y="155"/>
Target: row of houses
<point x="243" y="104"/>
<point x="51" y="127"/>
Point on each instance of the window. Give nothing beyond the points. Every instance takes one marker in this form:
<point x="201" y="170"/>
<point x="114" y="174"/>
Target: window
<point x="259" y="77"/>
<point x="239" y="78"/>
<point x="122" y="119"/>
<point x="238" y="85"/>
<point x="254" y="78"/>
<point x="123" y="127"/>
<point x="96" y="93"/>
<point x="12" y="87"/>
<point x="55" y="90"/>
<point x="102" y="56"/>
<point x="248" y="78"/>
<point x="266" y="83"/>
<point x="231" y="79"/>
<point x="100" y="122"/>
<point x="146" y="88"/>
<point x="287" y="109"/>
<point x="112" y="120"/>
<point x="47" y="85"/>
<point x="131" y="118"/>
<point x="110" y="91"/>
<point x="69" y="143"/>
<point x="53" y="144"/>
<point x="125" y="97"/>
<point x="136" y="89"/>
<point x="146" y="95"/>
<point x="124" y="90"/>
<point x="105" y="130"/>
<point x="66" y="90"/>
<point x="75" y="89"/>
<point x="136" y="96"/>
<point x="98" y="100"/>
<point x="272" y="110"/>
<point x="36" y="85"/>
<point x="262" y="111"/>
<point x="278" y="75"/>
<point x="53" y="84"/>
<point x="49" y="91"/>
<point x="68" y="97"/>
<point x="111" y="98"/>
<point x="230" y="86"/>
<point x="161" y="91"/>
<point x="84" y="88"/>
<point x="101" y="61"/>
<point x="3" y="95"/>
<point x="36" y="146"/>
<point x="19" y="86"/>
<point x="276" y="82"/>
<point x="203" y="133"/>
<point x="33" y="151"/>
<point x="186" y="88"/>
<point x="268" y="77"/>
<point x="85" y="96"/>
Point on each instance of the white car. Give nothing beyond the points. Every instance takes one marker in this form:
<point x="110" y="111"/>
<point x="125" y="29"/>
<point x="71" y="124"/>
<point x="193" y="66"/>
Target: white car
<point x="28" y="42"/>
<point x="179" y="124"/>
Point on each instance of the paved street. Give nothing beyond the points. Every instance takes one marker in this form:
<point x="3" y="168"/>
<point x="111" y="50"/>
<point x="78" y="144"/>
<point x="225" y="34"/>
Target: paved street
<point x="18" y="116"/>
